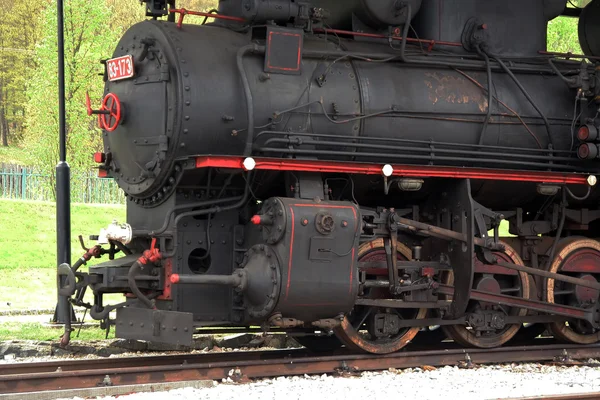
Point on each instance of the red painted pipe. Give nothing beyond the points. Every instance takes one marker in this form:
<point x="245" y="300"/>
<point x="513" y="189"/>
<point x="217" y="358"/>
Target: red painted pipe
<point x="431" y="43"/>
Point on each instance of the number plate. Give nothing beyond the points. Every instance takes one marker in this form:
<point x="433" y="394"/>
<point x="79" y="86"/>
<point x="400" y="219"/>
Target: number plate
<point x="120" y="68"/>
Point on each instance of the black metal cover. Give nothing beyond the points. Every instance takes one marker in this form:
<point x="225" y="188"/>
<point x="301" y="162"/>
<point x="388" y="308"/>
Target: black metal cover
<point x="284" y="51"/>
<point x="515" y="27"/>
<point x="317" y="254"/>
<point x="155" y="325"/>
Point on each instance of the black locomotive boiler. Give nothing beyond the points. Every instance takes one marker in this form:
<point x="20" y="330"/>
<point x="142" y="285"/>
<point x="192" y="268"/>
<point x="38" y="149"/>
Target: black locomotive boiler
<point x="340" y="170"/>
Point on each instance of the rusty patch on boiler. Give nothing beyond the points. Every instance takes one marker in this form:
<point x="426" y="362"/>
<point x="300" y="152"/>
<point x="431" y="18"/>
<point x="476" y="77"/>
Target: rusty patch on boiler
<point x="454" y="89"/>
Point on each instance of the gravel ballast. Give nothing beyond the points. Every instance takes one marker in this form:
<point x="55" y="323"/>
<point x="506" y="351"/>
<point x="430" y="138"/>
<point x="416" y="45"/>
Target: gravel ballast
<point x="12" y="351"/>
<point x="485" y="382"/>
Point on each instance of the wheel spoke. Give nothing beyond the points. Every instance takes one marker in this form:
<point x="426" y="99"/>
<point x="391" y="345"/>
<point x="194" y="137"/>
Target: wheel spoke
<point x="578" y="257"/>
<point x="367" y="312"/>
<point x="498" y="283"/>
<point x="349" y="332"/>
<point x="563" y="292"/>
<point x="398" y="311"/>
<point x="505" y="309"/>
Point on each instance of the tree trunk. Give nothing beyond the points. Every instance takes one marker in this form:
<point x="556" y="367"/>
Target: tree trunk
<point x="3" y="128"/>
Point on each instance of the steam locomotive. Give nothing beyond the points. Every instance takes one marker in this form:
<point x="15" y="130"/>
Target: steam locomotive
<point x="341" y="170"/>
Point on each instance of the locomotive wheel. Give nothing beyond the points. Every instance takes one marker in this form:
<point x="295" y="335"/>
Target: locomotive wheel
<point x="579" y="258"/>
<point x="319" y="344"/>
<point x="491" y="279"/>
<point x="356" y="330"/>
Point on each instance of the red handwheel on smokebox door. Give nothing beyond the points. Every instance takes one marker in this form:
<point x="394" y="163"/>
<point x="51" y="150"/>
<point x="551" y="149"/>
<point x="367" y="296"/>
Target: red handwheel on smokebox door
<point x="110" y="114"/>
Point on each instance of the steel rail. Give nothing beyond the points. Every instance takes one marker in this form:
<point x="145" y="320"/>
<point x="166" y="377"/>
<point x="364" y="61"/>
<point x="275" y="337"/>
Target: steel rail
<point x="128" y="362"/>
<point x="571" y="396"/>
<point x="263" y="364"/>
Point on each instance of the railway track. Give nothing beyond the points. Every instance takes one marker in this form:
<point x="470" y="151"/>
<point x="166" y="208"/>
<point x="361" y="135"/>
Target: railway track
<point x="582" y="396"/>
<point x="239" y="366"/>
<point x="577" y="396"/>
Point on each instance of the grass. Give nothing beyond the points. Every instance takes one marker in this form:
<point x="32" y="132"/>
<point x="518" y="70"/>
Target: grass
<point x="28" y="289"/>
<point x="37" y="331"/>
<point x="15" y="155"/>
<point x="35" y="289"/>
<point x="28" y="231"/>
<point x="28" y="249"/>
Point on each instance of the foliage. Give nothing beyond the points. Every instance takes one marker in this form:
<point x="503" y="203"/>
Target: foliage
<point x="17" y="42"/>
<point x="562" y="35"/>
<point x="16" y="155"/>
<point x="85" y="23"/>
<point x="197" y="5"/>
<point x="91" y="31"/>
<point x="128" y="12"/>
<point x="125" y="13"/>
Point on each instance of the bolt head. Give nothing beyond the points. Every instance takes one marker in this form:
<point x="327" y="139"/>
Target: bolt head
<point x="249" y="164"/>
<point x="387" y="170"/>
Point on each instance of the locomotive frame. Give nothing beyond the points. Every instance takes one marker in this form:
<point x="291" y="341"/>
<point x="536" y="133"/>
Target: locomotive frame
<point x="264" y="228"/>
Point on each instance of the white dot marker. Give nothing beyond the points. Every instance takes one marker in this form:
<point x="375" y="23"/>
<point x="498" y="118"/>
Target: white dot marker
<point x="592" y="180"/>
<point x="249" y="164"/>
<point x="387" y="170"/>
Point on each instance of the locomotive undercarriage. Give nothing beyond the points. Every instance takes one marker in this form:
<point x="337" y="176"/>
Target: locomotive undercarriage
<point x="261" y="265"/>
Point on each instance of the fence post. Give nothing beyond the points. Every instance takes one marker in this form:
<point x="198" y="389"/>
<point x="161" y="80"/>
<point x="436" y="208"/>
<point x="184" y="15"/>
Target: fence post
<point x="23" y="183"/>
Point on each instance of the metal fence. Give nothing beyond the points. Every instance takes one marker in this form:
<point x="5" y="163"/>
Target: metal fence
<point x="23" y="183"/>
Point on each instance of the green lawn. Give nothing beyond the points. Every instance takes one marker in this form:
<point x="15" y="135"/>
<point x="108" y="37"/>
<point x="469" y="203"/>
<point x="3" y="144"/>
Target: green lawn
<point x="35" y="289"/>
<point x="37" y="331"/>
<point x="28" y="231"/>
<point x="28" y="249"/>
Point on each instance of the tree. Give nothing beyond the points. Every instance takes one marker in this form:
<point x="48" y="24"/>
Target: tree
<point x="198" y="5"/>
<point x="88" y="40"/>
<point x="91" y="31"/>
<point x="18" y="35"/>
<point x="128" y="12"/>
<point x="125" y="13"/>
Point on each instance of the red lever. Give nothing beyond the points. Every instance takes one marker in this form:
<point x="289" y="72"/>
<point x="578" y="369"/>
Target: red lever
<point x="261" y="220"/>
